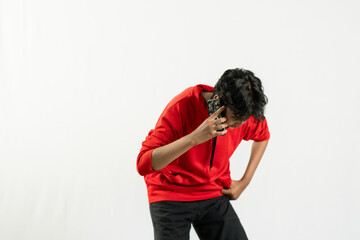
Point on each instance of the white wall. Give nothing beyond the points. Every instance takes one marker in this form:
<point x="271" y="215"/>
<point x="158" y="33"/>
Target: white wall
<point x="82" y="83"/>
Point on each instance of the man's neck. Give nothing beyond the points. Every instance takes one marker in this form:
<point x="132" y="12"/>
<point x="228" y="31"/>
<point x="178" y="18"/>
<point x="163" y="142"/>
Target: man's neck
<point x="207" y="95"/>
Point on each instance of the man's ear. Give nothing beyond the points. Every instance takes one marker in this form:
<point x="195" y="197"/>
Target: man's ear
<point x="216" y="96"/>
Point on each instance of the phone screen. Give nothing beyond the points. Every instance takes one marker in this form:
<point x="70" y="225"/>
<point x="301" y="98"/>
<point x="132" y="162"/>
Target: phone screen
<point x="213" y="106"/>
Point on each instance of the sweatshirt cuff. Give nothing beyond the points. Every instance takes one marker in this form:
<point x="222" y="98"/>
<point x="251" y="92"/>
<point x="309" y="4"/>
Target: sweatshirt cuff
<point x="144" y="164"/>
<point x="264" y="138"/>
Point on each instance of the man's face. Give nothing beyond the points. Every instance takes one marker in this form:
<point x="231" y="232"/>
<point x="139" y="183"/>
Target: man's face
<point x="230" y="120"/>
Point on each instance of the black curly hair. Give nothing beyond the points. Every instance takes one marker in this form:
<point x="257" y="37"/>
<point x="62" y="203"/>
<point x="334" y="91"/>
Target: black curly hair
<point x="243" y="93"/>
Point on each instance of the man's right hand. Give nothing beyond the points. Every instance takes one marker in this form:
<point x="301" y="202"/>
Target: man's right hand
<point x="164" y="155"/>
<point x="209" y="128"/>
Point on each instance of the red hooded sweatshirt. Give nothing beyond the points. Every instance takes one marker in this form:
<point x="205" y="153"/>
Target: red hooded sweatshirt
<point x="189" y="177"/>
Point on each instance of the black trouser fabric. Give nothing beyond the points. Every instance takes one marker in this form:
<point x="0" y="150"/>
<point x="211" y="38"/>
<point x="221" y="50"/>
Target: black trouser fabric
<point x="213" y="218"/>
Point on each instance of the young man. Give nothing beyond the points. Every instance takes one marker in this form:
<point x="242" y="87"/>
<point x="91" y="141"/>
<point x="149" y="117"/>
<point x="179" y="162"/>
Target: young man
<point x="185" y="158"/>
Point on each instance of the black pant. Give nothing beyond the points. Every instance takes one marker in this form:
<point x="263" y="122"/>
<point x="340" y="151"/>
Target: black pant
<point x="213" y="218"/>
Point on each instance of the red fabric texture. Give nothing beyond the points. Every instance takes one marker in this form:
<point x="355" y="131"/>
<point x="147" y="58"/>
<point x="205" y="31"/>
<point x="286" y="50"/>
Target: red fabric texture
<point x="189" y="177"/>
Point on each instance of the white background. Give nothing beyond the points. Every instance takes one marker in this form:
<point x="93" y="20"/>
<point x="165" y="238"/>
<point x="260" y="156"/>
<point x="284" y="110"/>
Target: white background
<point x="83" y="82"/>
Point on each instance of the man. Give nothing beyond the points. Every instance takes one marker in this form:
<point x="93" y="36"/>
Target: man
<point x="185" y="158"/>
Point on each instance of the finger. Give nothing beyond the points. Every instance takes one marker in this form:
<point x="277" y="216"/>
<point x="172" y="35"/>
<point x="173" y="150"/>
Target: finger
<point x="216" y="114"/>
<point x="221" y="133"/>
<point x="220" y="120"/>
<point x="223" y="119"/>
<point x="221" y="126"/>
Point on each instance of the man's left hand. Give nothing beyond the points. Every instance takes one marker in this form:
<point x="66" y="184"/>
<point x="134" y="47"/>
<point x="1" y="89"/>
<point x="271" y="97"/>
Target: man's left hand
<point x="235" y="190"/>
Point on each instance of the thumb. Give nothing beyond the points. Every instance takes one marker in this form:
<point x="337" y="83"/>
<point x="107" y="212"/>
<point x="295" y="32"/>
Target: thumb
<point x="225" y="191"/>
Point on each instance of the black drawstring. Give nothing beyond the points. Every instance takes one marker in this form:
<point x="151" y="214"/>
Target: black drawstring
<point x="213" y="152"/>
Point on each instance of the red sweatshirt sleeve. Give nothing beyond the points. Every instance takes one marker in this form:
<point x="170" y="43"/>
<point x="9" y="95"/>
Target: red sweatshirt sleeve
<point x="166" y="130"/>
<point x="257" y="131"/>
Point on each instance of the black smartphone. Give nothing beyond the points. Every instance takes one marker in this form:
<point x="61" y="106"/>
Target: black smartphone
<point x="213" y="105"/>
